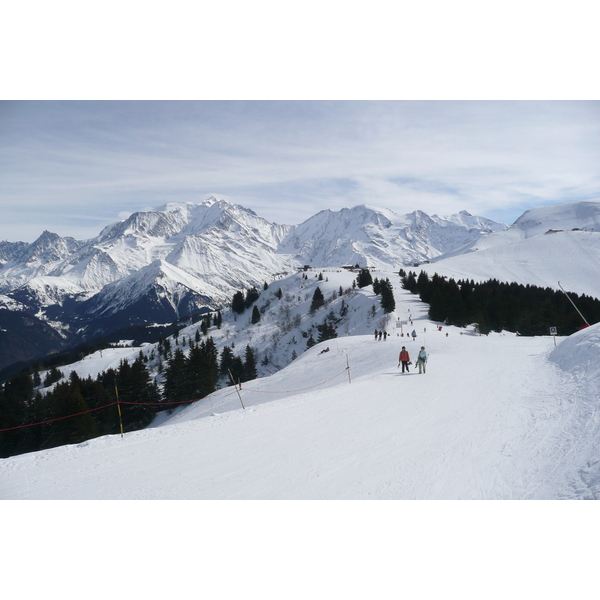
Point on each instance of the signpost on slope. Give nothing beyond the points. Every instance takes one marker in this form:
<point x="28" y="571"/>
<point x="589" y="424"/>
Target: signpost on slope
<point x="553" y="334"/>
<point x="399" y="324"/>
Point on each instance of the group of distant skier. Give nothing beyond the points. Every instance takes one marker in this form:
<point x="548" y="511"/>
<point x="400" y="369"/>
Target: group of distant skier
<point x="404" y="358"/>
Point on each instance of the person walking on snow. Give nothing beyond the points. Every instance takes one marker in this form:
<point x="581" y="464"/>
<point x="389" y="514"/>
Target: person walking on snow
<point x="404" y="358"/>
<point x="414" y="335"/>
<point x="422" y="359"/>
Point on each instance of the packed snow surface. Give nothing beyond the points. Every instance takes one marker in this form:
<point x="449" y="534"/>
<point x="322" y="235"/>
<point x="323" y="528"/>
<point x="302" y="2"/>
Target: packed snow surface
<point x="494" y="417"/>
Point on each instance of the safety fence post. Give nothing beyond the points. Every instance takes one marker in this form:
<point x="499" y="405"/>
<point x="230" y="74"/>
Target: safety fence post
<point x="119" y="408"/>
<point x="236" y="389"/>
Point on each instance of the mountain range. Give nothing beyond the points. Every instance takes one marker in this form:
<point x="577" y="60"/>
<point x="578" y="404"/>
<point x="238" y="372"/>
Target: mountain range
<point x="184" y="258"/>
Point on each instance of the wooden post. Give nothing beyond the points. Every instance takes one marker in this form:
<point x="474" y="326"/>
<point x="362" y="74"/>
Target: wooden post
<point x="119" y="409"/>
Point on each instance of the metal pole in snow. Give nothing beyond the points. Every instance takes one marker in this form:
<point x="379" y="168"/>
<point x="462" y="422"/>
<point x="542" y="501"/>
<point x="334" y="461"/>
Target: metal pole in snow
<point x="573" y="303"/>
<point x="348" y="369"/>
<point x="236" y="389"/>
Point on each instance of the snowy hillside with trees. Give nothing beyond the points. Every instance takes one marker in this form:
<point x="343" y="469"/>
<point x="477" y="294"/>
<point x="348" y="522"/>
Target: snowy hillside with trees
<point x="496" y="417"/>
<point x="183" y="258"/>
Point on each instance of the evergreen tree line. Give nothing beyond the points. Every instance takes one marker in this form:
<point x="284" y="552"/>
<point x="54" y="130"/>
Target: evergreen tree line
<point x="381" y="288"/>
<point x="327" y="329"/>
<point x="385" y="289"/>
<point x="241" y="302"/>
<point x="186" y="377"/>
<point x="22" y="404"/>
<point x="496" y="306"/>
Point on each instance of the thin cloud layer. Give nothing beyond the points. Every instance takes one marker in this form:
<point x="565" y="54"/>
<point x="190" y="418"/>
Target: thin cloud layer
<point x="73" y="167"/>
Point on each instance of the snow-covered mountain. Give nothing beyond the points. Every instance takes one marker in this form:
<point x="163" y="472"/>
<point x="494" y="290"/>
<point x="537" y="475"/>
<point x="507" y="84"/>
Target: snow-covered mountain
<point x="227" y="247"/>
<point x="380" y="238"/>
<point x="546" y="245"/>
<point x="219" y="242"/>
<point x="163" y="264"/>
<point x="181" y="258"/>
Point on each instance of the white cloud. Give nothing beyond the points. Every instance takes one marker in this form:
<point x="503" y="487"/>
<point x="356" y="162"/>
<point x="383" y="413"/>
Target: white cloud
<point x="287" y="160"/>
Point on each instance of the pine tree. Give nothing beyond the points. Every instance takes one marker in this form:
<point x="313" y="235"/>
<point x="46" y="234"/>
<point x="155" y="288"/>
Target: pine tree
<point x="227" y="357"/>
<point x="317" y="301"/>
<point x="201" y="371"/>
<point x="255" y="315"/>
<point x="343" y="308"/>
<point x="388" y="303"/>
<point x="52" y="376"/>
<point x="249" y="372"/>
<point x="364" y="278"/>
<point x="237" y="303"/>
<point x="237" y="369"/>
<point x="376" y="286"/>
<point x="66" y="401"/>
<point x="252" y="296"/>
<point x="326" y="331"/>
<point x="175" y="374"/>
<point x="135" y="385"/>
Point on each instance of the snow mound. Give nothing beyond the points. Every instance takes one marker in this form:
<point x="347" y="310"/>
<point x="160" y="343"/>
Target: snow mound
<point x="580" y="353"/>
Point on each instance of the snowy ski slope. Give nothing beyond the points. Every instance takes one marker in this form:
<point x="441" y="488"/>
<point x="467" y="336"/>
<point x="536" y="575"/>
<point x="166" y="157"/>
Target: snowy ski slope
<point x="494" y="417"/>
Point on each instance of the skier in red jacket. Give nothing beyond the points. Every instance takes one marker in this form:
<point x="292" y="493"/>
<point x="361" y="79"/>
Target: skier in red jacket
<point x="404" y="358"/>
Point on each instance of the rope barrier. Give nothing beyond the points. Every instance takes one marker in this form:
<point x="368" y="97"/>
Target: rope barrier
<point x="59" y="418"/>
<point x="170" y="403"/>
<point x="99" y="408"/>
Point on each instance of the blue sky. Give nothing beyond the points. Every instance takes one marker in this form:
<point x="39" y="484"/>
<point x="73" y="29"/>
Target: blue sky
<point x="75" y="166"/>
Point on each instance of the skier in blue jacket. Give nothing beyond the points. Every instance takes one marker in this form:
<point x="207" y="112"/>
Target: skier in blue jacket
<point x="422" y="359"/>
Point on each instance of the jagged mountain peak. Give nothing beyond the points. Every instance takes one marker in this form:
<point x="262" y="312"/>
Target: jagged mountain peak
<point x="377" y="237"/>
<point x="11" y="250"/>
<point x="49" y="247"/>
